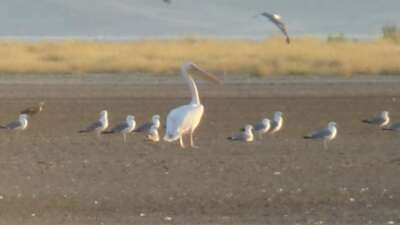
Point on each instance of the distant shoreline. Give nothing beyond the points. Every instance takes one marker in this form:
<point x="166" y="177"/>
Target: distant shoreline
<point x="305" y="56"/>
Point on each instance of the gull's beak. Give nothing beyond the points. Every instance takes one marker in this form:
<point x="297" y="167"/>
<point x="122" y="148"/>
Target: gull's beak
<point x="206" y="74"/>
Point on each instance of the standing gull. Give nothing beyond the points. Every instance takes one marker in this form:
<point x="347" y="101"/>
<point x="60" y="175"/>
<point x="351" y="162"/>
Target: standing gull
<point x="381" y="120"/>
<point x="245" y="135"/>
<point x="33" y="110"/>
<point x="393" y="127"/>
<point x="327" y="134"/>
<point x="20" y="124"/>
<point x="153" y="134"/>
<point x="185" y="119"/>
<point x="124" y="128"/>
<point x="276" y="123"/>
<point x="277" y="20"/>
<point x="155" y="121"/>
<point x="262" y="127"/>
<point x="99" y="126"/>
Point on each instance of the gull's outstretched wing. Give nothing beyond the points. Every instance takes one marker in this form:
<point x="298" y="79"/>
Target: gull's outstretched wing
<point x="279" y="24"/>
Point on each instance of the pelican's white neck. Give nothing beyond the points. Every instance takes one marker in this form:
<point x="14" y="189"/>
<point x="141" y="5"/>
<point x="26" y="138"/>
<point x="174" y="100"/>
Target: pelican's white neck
<point x="192" y="85"/>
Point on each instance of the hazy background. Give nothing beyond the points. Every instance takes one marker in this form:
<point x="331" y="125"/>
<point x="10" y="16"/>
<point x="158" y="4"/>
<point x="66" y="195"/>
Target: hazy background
<point x="127" y="19"/>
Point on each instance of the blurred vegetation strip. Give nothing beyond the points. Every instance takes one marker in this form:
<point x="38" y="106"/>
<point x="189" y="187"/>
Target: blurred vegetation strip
<point x="305" y="56"/>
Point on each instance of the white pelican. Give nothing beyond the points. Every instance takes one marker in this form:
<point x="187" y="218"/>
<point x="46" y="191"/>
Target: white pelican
<point x="381" y="120"/>
<point x="155" y="121"/>
<point x="245" y="135"/>
<point x="185" y="119"/>
<point x="277" y="20"/>
<point x="327" y="134"/>
<point x="33" y="109"/>
<point x="99" y="126"/>
<point x="20" y="124"/>
<point x="262" y="127"/>
<point x="153" y="134"/>
<point x="276" y="123"/>
<point x="124" y="128"/>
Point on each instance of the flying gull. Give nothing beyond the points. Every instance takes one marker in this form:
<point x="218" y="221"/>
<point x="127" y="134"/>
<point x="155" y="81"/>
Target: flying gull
<point x="246" y="135"/>
<point x="33" y="110"/>
<point x="277" y="20"/>
<point x="99" y="126"/>
<point x="124" y="128"/>
<point x="20" y="124"/>
<point x="326" y="135"/>
<point x="381" y="120"/>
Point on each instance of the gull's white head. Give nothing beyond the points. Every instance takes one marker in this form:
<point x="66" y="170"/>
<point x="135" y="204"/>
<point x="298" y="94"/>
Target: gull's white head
<point x="385" y="114"/>
<point x="104" y="116"/>
<point x="277" y="115"/>
<point x="276" y="16"/>
<point x="265" y="121"/>
<point x="104" y="113"/>
<point x="248" y="128"/>
<point x="22" y="117"/>
<point x="130" y="118"/>
<point x="155" y="118"/>
<point x="331" y="125"/>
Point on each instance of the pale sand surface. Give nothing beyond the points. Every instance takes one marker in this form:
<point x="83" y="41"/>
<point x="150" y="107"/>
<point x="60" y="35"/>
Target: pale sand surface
<point x="50" y="174"/>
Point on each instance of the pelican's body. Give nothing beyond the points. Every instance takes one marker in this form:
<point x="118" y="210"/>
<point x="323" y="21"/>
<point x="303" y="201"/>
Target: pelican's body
<point x="20" y="124"/>
<point x="276" y="123"/>
<point x="327" y="134"/>
<point x="381" y="120"/>
<point x="245" y="135"/>
<point x="185" y="119"/>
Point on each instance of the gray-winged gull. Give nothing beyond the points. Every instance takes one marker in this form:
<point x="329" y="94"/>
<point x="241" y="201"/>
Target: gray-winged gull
<point x="99" y="126"/>
<point x="326" y="135"/>
<point x="124" y="128"/>
<point x="245" y="135"/>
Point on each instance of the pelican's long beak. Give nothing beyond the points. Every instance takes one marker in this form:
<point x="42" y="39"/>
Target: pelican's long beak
<point x="206" y="74"/>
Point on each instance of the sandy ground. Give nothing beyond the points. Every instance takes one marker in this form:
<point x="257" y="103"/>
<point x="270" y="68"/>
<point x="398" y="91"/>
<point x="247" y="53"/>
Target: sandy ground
<point x="50" y="174"/>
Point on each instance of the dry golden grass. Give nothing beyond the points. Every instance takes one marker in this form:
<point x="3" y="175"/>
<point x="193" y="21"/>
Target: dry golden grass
<point x="269" y="57"/>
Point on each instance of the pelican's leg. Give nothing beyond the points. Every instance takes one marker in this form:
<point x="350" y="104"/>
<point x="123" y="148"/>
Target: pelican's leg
<point x="191" y="141"/>
<point x="181" y="141"/>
